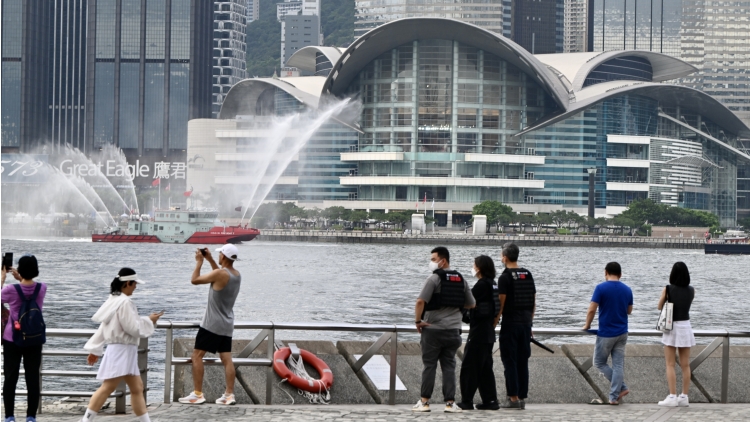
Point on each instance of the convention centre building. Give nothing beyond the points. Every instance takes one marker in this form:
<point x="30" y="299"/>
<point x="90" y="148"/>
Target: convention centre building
<point x="451" y="113"/>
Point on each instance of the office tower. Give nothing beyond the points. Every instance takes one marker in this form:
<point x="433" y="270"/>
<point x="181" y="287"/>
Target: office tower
<point x="26" y="73"/>
<point x="253" y="10"/>
<point x="229" y="48"/>
<point x="575" y="26"/>
<point x="713" y="36"/>
<point x="534" y="25"/>
<point x="300" y="26"/>
<point x="370" y="14"/>
<point x="95" y="72"/>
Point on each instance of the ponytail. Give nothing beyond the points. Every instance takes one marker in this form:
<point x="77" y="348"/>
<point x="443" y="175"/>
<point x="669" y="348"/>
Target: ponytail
<point x="116" y="286"/>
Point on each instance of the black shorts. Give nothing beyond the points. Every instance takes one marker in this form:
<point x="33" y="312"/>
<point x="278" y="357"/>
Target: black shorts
<point x="212" y="343"/>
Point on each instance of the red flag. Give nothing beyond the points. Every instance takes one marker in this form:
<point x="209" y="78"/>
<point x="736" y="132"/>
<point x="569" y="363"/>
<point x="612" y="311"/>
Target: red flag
<point x="156" y="182"/>
<point x="188" y="192"/>
<point x="425" y="198"/>
<point x="169" y="185"/>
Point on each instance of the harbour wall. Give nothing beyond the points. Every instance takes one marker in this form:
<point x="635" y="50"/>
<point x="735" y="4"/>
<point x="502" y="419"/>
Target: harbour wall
<point x="560" y="377"/>
<point x="451" y="238"/>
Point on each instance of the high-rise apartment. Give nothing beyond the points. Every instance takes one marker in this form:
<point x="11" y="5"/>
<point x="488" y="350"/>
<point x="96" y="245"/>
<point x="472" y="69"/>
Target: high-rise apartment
<point x="253" y="10"/>
<point x="300" y="26"/>
<point x="713" y="36"/>
<point x="575" y="27"/>
<point x="230" y="64"/>
<point x="95" y="72"/>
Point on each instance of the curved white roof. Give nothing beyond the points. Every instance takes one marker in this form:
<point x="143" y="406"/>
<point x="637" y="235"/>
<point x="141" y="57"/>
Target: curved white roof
<point x="243" y="96"/>
<point x="304" y="58"/>
<point x="577" y="66"/>
<point x="401" y="31"/>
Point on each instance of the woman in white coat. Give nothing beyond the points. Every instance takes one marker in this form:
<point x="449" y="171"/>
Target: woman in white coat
<point x="121" y="330"/>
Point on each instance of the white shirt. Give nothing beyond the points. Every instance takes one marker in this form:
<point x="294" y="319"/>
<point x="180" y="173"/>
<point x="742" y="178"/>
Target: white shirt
<point x="120" y="324"/>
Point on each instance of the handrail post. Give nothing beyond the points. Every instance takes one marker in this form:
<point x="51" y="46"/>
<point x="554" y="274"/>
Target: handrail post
<point x="168" y="366"/>
<point x="394" y="357"/>
<point x="143" y="364"/>
<point x="269" y="370"/>
<point x="725" y="369"/>
<point x="121" y="398"/>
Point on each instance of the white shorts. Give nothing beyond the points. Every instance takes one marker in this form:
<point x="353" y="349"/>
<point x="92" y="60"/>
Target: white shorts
<point x="680" y="336"/>
<point x="119" y="360"/>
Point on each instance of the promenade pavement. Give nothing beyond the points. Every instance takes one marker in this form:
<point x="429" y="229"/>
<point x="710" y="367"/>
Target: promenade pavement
<point x="298" y="413"/>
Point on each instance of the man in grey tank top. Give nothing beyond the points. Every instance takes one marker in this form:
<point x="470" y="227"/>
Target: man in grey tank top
<point x="215" y="332"/>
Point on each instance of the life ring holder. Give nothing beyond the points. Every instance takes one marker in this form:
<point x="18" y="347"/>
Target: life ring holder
<point x="312" y="386"/>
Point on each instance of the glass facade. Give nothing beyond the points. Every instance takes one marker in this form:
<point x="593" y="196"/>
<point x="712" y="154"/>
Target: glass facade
<point x="153" y="116"/>
<point x="104" y="98"/>
<point x="621" y="68"/>
<point x="12" y="32"/>
<point x="435" y="101"/>
<point x="129" y="104"/>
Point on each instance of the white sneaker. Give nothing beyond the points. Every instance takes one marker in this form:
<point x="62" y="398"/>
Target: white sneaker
<point x="670" y="401"/>
<point x="226" y="399"/>
<point x="421" y="407"/>
<point x="193" y="398"/>
<point x="682" y="401"/>
<point x="452" y="408"/>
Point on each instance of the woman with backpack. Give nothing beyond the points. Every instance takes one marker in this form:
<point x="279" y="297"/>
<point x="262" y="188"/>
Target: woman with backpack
<point x="121" y="330"/>
<point x="23" y="336"/>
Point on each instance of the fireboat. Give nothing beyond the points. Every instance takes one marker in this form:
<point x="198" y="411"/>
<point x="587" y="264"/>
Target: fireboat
<point x="176" y="226"/>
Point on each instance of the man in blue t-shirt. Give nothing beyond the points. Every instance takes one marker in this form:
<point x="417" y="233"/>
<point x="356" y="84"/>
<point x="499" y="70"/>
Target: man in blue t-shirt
<point x="615" y="302"/>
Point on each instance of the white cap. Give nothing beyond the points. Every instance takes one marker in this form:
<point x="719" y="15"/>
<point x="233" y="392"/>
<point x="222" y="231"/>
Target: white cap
<point x="132" y="277"/>
<point x="229" y="251"/>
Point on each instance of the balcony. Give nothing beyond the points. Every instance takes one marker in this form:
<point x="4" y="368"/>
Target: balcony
<point x="628" y="186"/>
<point x="628" y="163"/>
<point x="372" y="156"/>
<point x="504" y="158"/>
<point x="386" y="180"/>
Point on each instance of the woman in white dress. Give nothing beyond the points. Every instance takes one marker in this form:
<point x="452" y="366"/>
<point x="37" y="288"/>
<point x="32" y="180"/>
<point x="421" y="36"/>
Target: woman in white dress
<point x="680" y="339"/>
<point x="121" y="330"/>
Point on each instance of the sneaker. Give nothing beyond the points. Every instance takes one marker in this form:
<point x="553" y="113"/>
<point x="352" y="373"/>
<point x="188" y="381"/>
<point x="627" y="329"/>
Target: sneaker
<point x="466" y="406"/>
<point x="670" y="401"/>
<point x="682" y="401"/>
<point x="523" y="404"/>
<point x="421" y="406"/>
<point x="452" y="407"/>
<point x="510" y="404"/>
<point x="226" y="399"/>
<point x="30" y="419"/>
<point x="488" y="406"/>
<point x="10" y="419"/>
<point x="193" y="398"/>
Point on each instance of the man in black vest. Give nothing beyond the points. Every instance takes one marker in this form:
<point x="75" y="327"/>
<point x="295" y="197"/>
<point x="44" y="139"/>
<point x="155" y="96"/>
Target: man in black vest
<point x="438" y="319"/>
<point x="517" y="307"/>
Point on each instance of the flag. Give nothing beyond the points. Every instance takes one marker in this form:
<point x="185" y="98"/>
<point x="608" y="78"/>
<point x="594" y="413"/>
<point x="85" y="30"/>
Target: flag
<point x="238" y="209"/>
<point x="433" y="203"/>
<point x="417" y="205"/>
<point x="156" y="182"/>
<point x="168" y="186"/>
<point x="425" y="198"/>
<point x="188" y="192"/>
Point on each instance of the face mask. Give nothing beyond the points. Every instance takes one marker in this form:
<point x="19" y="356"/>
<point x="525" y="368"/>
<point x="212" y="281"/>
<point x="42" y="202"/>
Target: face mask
<point x="474" y="272"/>
<point x="433" y="266"/>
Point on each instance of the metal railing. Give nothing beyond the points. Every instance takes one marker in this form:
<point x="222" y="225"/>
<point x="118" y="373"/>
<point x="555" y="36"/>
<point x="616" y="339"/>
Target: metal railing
<point x="390" y="335"/>
<point x="121" y="391"/>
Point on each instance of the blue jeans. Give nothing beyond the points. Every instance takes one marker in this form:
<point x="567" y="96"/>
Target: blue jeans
<point x="615" y="346"/>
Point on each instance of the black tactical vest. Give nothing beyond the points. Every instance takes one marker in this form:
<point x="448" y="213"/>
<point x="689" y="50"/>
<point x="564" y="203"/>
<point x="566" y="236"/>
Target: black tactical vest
<point x="452" y="288"/>
<point x="522" y="298"/>
<point x="489" y="307"/>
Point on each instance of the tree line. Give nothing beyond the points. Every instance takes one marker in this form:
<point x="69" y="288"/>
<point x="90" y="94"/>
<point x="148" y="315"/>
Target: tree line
<point x="639" y="216"/>
<point x="285" y="214"/>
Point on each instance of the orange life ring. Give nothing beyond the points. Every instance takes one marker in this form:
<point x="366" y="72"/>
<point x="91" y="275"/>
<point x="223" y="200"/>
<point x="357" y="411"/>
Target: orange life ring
<point x="326" y="376"/>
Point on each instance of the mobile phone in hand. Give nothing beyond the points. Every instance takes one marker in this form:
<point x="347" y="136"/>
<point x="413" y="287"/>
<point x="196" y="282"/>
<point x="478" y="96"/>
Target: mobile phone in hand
<point x="203" y="251"/>
<point x="8" y="260"/>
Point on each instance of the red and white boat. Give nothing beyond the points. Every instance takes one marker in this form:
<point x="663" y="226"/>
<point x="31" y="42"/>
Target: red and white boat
<point x="177" y="226"/>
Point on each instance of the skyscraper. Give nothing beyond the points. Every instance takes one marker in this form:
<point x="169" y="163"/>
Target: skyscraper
<point x="536" y="25"/>
<point x="253" y="10"/>
<point x="94" y="72"/>
<point x="300" y="26"/>
<point x="229" y="48"/>
<point x="575" y="26"/>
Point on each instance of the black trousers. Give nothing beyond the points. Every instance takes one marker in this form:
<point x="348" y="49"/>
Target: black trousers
<point x="515" y="350"/>
<point x="32" y="362"/>
<point x="477" y="373"/>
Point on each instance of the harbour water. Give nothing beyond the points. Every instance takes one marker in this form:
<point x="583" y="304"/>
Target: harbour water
<point x="357" y="283"/>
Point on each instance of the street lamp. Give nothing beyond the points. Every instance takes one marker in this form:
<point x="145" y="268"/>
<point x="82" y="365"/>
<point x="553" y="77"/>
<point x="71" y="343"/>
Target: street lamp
<point x="592" y="176"/>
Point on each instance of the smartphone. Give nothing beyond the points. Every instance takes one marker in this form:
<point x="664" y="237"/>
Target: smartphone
<point x="8" y="260"/>
<point x="203" y="251"/>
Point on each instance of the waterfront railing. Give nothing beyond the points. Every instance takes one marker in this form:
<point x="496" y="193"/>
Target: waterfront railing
<point x="268" y="332"/>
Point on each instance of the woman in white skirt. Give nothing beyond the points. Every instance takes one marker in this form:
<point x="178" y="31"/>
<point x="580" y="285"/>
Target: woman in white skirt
<point x="680" y="338"/>
<point x="121" y="330"/>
